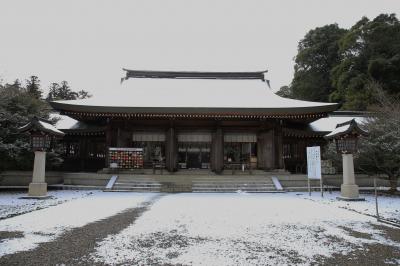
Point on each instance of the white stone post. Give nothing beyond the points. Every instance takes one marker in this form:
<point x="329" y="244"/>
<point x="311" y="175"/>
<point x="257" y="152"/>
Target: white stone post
<point x="38" y="186"/>
<point x="349" y="189"/>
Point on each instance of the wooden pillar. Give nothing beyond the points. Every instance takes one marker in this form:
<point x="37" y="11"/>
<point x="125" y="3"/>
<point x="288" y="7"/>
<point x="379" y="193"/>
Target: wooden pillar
<point x="218" y="151"/>
<point x="266" y="149"/>
<point x="124" y="138"/>
<point x="109" y="137"/>
<point x="170" y="150"/>
<point x="83" y="152"/>
<point x="278" y="147"/>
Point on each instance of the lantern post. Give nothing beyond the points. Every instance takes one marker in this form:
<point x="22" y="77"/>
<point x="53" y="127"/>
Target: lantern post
<point x="42" y="137"/>
<point x="346" y="137"/>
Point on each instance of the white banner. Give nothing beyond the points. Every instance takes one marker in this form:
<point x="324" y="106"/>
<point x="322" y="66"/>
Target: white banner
<point x="314" y="162"/>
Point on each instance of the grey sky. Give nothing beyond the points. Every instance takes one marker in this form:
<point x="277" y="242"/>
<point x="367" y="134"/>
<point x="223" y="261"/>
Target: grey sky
<point x="88" y="42"/>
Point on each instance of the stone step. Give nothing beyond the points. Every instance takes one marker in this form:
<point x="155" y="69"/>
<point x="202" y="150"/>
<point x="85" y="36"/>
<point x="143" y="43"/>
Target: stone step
<point x="137" y="185"/>
<point x="229" y="183"/>
<point x="233" y="182"/>
<point x="233" y="187"/>
<point x="136" y="179"/>
<point x="118" y="189"/>
<point x="232" y="178"/>
<point x="236" y="191"/>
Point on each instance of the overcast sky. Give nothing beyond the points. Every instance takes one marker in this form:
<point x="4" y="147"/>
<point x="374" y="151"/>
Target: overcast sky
<point x="88" y="43"/>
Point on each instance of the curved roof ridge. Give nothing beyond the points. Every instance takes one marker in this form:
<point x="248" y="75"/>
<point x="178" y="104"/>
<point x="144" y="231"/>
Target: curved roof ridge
<point x="161" y="74"/>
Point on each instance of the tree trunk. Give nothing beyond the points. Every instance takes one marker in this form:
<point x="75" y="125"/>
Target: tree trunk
<point x="393" y="184"/>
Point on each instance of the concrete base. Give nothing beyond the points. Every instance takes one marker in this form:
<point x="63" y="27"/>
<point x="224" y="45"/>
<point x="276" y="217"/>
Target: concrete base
<point x="349" y="191"/>
<point x="37" y="189"/>
<point x="38" y="197"/>
<point x="350" y="199"/>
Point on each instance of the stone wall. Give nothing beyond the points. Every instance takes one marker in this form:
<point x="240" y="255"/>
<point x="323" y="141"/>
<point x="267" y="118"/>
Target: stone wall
<point x="23" y="178"/>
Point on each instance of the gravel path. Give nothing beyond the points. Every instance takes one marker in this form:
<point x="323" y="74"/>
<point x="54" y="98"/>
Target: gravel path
<point x="370" y="254"/>
<point x="75" y="246"/>
<point x="72" y="247"/>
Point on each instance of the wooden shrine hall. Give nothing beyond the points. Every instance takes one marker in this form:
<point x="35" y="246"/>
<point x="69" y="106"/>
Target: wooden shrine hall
<point x="190" y="120"/>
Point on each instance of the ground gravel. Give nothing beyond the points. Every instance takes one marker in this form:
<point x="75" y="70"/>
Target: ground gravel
<point x="370" y="254"/>
<point x="74" y="246"/>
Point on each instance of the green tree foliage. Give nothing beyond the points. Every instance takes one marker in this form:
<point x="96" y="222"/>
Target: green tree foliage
<point x="369" y="51"/>
<point x="285" y="91"/>
<point x="33" y="87"/>
<point x="317" y="55"/>
<point x="17" y="106"/>
<point x="338" y="65"/>
<point x="63" y="91"/>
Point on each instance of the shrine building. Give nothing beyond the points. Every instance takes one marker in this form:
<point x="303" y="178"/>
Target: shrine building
<point x="191" y="120"/>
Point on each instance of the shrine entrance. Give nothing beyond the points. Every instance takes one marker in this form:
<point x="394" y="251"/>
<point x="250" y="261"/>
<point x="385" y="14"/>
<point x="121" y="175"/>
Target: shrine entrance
<point x="194" y="150"/>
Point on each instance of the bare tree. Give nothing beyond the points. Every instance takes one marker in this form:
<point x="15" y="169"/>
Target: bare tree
<point x="380" y="151"/>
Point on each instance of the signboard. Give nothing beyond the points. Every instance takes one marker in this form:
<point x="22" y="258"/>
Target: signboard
<point x="314" y="167"/>
<point x="314" y="162"/>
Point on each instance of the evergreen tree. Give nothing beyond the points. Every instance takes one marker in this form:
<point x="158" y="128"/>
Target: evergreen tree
<point x="317" y="55"/>
<point x="338" y="65"/>
<point x="369" y="51"/>
<point x="33" y="87"/>
<point x="17" y="106"/>
<point x="63" y="91"/>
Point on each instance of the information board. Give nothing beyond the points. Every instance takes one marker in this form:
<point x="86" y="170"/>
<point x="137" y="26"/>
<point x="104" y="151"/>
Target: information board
<point x="314" y="162"/>
<point x="125" y="158"/>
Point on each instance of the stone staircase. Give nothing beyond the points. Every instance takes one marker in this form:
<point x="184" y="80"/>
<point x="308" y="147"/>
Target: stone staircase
<point x="194" y="183"/>
<point x="135" y="184"/>
<point x="251" y="184"/>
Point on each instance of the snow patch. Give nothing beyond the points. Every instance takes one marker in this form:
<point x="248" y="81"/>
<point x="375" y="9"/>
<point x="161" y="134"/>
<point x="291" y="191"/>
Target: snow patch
<point x="237" y="229"/>
<point x="47" y="224"/>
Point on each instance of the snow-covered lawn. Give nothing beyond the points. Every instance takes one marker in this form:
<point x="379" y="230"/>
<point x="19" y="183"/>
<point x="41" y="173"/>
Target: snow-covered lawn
<point x="389" y="206"/>
<point x="207" y="229"/>
<point x="239" y="229"/>
<point x="46" y="224"/>
<point x="11" y="203"/>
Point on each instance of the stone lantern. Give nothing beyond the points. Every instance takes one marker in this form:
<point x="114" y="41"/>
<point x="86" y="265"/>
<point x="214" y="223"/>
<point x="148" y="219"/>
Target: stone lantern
<point x="43" y="135"/>
<point x="346" y="138"/>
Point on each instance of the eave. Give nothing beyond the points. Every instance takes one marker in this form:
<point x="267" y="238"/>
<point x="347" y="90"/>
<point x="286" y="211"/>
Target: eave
<point x="80" y="111"/>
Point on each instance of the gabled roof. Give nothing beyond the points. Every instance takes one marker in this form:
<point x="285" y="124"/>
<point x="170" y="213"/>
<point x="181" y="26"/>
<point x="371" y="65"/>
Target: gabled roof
<point x="69" y="125"/>
<point x="39" y="124"/>
<point x="349" y="127"/>
<point x="328" y="124"/>
<point x="193" y="96"/>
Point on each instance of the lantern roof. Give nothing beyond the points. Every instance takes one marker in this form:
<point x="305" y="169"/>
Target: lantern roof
<point x="40" y="124"/>
<point x="350" y="127"/>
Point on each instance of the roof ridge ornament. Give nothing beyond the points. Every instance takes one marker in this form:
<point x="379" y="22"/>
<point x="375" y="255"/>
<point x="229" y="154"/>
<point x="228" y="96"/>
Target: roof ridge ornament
<point x="261" y="75"/>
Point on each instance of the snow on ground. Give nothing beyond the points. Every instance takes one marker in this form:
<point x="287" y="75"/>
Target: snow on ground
<point x="389" y="206"/>
<point x="46" y="224"/>
<point x="239" y="229"/>
<point x="12" y="205"/>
